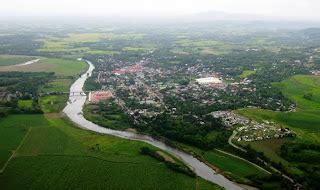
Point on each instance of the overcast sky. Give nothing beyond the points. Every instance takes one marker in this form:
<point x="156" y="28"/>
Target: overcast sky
<point x="302" y="9"/>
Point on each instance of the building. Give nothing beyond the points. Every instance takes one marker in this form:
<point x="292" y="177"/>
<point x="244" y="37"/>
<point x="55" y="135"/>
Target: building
<point x="96" y="97"/>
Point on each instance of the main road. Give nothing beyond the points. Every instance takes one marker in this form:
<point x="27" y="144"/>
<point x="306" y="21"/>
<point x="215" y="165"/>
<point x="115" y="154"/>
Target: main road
<point x="74" y="111"/>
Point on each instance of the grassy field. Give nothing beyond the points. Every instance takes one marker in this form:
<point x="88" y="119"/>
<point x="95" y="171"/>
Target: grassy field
<point x="303" y="90"/>
<point x="237" y="169"/>
<point x="25" y="103"/>
<point x="53" y="103"/>
<point x="61" y="67"/>
<point x="75" y="43"/>
<point x="305" y="122"/>
<point x="12" y="131"/>
<point x="247" y="73"/>
<point x="57" y="85"/>
<point x="56" y="155"/>
<point x="7" y="60"/>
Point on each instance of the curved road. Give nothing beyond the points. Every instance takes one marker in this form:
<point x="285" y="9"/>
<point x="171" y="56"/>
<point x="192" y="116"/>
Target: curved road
<point x="74" y="111"/>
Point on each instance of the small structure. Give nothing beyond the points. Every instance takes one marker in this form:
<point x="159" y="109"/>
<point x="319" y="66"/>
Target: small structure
<point x="96" y="97"/>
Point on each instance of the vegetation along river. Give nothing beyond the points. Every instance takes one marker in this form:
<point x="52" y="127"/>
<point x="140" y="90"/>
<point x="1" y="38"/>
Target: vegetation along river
<point x="74" y="111"/>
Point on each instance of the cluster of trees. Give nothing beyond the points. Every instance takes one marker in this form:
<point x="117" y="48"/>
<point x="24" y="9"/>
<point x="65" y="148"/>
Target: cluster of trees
<point x="20" y="44"/>
<point x="21" y="86"/>
<point x="91" y="84"/>
<point x="187" y="129"/>
<point x="306" y="157"/>
<point x="107" y="114"/>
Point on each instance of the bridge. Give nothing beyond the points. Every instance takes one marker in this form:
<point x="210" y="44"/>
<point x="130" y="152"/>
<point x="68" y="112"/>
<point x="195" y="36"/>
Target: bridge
<point x="72" y="93"/>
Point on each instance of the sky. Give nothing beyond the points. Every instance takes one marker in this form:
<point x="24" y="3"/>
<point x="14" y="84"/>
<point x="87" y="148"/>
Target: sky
<point x="292" y="9"/>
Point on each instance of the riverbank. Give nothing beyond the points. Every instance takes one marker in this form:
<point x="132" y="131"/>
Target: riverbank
<point x="74" y="111"/>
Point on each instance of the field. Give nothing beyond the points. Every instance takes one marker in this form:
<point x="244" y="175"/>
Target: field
<point x="25" y="103"/>
<point x="55" y="155"/>
<point x="54" y="103"/>
<point x="76" y="43"/>
<point x="303" y="90"/>
<point x="58" y="85"/>
<point x="12" y="131"/>
<point x="61" y="67"/>
<point x="239" y="170"/>
<point x="305" y="122"/>
<point x="247" y="73"/>
<point x="7" y="60"/>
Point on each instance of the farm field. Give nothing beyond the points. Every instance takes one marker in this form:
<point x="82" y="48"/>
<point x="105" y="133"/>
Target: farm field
<point x="7" y="60"/>
<point x="61" y="67"/>
<point x="75" y="43"/>
<point x="55" y="150"/>
<point x="304" y="90"/>
<point x="305" y="122"/>
<point x="239" y="170"/>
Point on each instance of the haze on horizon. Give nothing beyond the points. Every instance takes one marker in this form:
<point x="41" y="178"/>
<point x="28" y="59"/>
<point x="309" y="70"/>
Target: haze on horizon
<point x="284" y="9"/>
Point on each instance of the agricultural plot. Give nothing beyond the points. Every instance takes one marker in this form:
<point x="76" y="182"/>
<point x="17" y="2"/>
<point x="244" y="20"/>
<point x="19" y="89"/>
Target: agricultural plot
<point x="13" y="129"/>
<point x="8" y="60"/>
<point x="306" y="120"/>
<point x="304" y="90"/>
<point x="239" y="170"/>
<point x="76" y="43"/>
<point x="61" y="67"/>
<point x="57" y="155"/>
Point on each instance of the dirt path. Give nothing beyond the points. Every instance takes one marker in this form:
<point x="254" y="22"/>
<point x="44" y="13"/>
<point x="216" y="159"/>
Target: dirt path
<point x="28" y="62"/>
<point x="234" y="133"/>
<point x="15" y="151"/>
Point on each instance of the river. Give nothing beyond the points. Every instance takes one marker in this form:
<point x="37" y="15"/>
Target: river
<point x="74" y="111"/>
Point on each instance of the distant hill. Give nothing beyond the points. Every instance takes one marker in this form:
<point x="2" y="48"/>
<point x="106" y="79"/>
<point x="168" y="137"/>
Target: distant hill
<point x="221" y="16"/>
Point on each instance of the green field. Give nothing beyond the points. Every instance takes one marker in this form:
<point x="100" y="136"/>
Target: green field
<point x="61" y="67"/>
<point x="247" y="73"/>
<point x="234" y="167"/>
<point x="75" y="43"/>
<point x="55" y="155"/>
<point x="304" y="90"/>
<point x="12" y="131"/>
<point x="7" y="60"/>
<point x="57" y="85"/>
<point x="53" y="103"/>
<point x="237" y="169"/>
<point x="305" y="122"/>
<point x="25" y="103"/>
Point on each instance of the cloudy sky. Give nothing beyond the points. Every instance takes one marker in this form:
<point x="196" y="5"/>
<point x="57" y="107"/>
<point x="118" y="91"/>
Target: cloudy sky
<point x="302" y="9"/>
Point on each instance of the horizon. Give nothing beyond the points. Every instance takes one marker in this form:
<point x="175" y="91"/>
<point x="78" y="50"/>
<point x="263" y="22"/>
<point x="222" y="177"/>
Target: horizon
<point x="299" y="10"/>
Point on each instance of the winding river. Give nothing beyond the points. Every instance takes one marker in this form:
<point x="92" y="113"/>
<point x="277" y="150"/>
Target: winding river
<point x="74" y="111"/>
